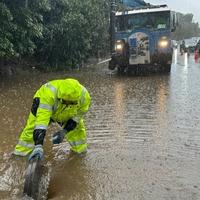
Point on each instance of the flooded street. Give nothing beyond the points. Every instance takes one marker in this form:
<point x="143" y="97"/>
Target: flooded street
<point x="143" y="136"/>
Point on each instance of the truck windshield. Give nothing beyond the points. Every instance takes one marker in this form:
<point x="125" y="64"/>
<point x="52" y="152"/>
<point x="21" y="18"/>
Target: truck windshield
<point x="155" y="21"/>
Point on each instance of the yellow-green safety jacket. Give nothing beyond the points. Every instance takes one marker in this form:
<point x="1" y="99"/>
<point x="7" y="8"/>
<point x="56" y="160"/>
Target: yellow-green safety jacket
<point x="51" y="108"/>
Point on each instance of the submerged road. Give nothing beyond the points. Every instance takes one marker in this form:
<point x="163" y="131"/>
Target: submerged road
<point x="143" y="136"/>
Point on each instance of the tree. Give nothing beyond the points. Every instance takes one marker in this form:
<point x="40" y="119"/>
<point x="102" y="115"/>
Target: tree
<point x="56" y="32"/>
<point x="187" y="28"/>
<point x="6" y="46"/>
<point x="73" y="31"/>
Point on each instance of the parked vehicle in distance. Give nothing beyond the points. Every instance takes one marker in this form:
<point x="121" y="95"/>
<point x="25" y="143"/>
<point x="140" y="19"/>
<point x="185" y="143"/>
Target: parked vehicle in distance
<point x="190" y="43"/>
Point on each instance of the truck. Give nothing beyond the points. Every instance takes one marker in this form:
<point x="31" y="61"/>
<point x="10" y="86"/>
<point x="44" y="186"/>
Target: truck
<point x="143" y="39"/>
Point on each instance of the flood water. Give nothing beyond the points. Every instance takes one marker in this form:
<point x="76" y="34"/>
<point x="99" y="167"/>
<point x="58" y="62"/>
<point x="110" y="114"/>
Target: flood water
<point x="143" y="136"/>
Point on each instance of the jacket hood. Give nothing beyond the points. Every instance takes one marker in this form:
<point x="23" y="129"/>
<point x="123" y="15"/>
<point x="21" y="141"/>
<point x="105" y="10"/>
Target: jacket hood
<point x="70" y="89"/>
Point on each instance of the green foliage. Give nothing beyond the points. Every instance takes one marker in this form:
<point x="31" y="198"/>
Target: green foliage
<point x="58" y="32"/>
<point x="73" y="31"/>
<point x="28" y="26"/>
<point x="6" y="46"/>
<point x="187" y="18"/>
<point x="21" y="25"/>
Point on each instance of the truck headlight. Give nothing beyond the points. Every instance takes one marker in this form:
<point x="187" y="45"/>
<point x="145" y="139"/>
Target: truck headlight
<point x="119" y="45"/>
<point x="163" y="42"/>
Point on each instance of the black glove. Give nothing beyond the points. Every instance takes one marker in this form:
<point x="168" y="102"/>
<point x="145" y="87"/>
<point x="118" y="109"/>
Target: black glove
<point x="58" y="136"/>
<point x="38" y="136"/>
<point x="71" y="125"/>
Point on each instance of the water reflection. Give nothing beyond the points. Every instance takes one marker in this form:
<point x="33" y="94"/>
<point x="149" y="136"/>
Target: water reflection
<point x="186" y="60"/>
<point x="119" y="105"/>
<point x="143" y="136"/>
<point x="12" y="171"/>
<point x="175" y="56"/>
<point x="70" y="177"/>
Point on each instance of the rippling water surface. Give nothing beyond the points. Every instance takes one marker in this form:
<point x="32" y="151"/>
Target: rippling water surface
<point x="143" y="136"/>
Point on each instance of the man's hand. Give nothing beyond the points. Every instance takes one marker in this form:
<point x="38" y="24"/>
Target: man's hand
<point x="70" y="125"/>
<point x="58" y="136"/>
<point x="37" y="151"/>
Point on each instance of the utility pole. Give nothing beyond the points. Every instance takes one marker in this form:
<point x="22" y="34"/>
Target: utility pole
<point x="112" y="25"/>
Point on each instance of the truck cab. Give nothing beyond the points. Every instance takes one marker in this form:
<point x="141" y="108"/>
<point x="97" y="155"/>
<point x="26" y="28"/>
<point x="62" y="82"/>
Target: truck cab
<point x="143" y="38"/>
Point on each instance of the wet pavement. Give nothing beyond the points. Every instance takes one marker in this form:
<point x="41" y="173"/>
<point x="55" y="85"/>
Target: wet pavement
<point x="143" y="136"/>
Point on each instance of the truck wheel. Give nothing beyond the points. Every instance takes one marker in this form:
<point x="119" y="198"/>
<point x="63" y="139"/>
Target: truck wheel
<point x="120" y="70"/>
<point x="167" y="68"/>
<point x="111" y="65"/>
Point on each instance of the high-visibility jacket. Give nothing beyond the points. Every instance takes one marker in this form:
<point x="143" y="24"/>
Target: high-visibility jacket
<point x="51" y="108"/>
